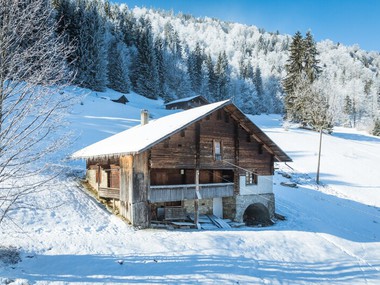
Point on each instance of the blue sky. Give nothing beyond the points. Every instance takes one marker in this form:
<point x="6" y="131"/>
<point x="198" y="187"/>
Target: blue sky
<point x="346" y="21"/>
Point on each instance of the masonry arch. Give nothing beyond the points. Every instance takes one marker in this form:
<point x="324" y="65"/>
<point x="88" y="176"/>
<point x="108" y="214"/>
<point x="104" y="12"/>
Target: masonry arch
<point x="257" y="214"/>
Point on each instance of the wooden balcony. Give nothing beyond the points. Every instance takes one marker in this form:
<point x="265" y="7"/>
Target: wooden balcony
<point x="111" y="193"/>
<point x="170" y="193"/>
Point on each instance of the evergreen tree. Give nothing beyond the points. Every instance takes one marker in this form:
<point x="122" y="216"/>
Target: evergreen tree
<point x="258" y="82"/>
<point x="129" y="28"/>
<point x="118" y="54"/>
<point x="376" y="129"/>
<point x="222" y="75"/>
<point x="212" y="80"/>
<point x="294" y="70"/>
<point x="195" y="62"/>
<point x="312" y="70"/>
<point x="248" y="97"/>
<point x="204" y="88"/>
<point x="302" y="71"/>
<point x="91" y="63"/>
<point x="117" y="67"/>
<point x="68" y="18"/>
<point x="161" y="68"/>
<point x="145" y="68"/>
<point x="172" y="40"/>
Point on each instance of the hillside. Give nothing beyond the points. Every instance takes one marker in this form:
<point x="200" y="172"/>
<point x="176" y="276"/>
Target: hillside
<point x="331" y="235"/>
<point x="161" y="55"/>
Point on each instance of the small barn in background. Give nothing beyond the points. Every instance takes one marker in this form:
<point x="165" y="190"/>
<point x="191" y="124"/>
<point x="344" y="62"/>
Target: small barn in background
<point x="187" y="103"/>
<point x="122" y="100"/>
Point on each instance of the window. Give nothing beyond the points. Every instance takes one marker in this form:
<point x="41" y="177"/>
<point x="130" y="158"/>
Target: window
<point x="217" y="150"/>
<point x="250" y="178"/>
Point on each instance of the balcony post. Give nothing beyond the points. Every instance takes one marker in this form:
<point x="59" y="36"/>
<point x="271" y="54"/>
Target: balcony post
<point x="196" y="202"/>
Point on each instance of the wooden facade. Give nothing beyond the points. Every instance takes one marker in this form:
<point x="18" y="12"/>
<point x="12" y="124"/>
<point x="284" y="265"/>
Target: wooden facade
<point x="203" y="160"/>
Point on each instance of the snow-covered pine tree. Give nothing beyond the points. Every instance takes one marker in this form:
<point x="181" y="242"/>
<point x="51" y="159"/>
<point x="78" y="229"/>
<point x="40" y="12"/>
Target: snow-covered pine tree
<point x="145" y="71"/>
<point x="204" y="88"/>
<point x="261" y="106"/>
<point x="310" y="66"/>
<point x="118" y="53"/>
<point x="195" y="62"/>
<point x="222" y="74"/>
<point x="376" y="128"/>
<point x="92" y="53"/>
<point x="294" y="70"/>
<point x="302" y="71"/>
<point x="212" y="80"/>
<point x="118" y="78"/>
<point x="161" y="68"/>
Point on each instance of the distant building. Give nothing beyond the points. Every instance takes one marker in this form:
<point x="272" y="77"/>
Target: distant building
<point x="207" y="160"/>
<point x="122" y="99"/>
<point x="187" y="103"/>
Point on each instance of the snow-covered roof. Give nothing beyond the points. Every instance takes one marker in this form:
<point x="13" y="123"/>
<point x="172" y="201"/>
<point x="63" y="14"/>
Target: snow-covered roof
<point x="142" y="137"/>
<point x="184" y="100"/>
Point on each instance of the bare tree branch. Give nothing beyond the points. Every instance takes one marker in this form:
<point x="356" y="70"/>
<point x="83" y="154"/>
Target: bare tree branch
<point x="33" y="74"/>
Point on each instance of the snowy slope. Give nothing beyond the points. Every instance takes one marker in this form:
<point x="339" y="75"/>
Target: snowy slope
<point x="331" y="235"/>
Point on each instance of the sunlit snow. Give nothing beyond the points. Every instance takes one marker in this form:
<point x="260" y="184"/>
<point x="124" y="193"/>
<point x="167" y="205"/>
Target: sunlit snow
<point x="331" y="235"/>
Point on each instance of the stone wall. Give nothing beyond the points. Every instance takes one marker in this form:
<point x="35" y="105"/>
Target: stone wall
<point x="242" y="203"/>
<point x="205" y="206"/>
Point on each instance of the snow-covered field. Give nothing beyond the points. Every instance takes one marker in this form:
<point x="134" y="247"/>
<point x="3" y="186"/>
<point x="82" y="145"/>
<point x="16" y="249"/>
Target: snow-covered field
<point x="331" y="235"/>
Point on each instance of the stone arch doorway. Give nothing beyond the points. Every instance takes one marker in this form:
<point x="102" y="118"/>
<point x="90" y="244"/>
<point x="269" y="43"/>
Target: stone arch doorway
<point x="257" y="214"/>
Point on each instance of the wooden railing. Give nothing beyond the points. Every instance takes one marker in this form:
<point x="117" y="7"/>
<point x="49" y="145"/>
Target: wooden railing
<point x="113" y="193"/>
<point x="169" y="193"/>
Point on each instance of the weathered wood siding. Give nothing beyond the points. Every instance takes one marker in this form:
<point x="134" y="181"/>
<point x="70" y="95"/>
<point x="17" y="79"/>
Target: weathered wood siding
<point x="168" y="176"/>
<point x="238" y="148"/>
<point x="253" y="156"/>
<point x="126" y="182"/>
<point x="103" y="173"/>
<point x="110" y="193"/>
<point x="167" y="193"/>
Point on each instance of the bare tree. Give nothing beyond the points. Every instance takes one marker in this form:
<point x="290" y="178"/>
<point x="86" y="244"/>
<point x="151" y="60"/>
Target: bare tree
<point x="33" y="72"/>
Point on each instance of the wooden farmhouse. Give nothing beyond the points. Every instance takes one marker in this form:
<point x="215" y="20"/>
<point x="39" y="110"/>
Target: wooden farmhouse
<point x="207" y="160"/>
<point x="187" y="103"/>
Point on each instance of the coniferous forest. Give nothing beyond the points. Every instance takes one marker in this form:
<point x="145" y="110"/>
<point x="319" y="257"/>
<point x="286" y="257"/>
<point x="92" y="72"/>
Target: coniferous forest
<point x="159" y="54"/>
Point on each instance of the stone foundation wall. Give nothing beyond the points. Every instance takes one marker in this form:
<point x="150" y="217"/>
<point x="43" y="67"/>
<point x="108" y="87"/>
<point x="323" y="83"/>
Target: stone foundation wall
<point x="205" y="206"/>
<point x="229" y="208"/>
<point x="242" y="203"/>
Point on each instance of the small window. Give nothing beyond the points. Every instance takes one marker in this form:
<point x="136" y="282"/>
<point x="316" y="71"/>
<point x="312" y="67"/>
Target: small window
<point x="183" y="133"/>
<point x="250" y="178"/>
<point x="217" y="150"/>
<point x="166" y="143"/>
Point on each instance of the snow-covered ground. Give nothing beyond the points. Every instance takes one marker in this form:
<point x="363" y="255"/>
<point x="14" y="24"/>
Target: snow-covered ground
<point x="331" y="235"/>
